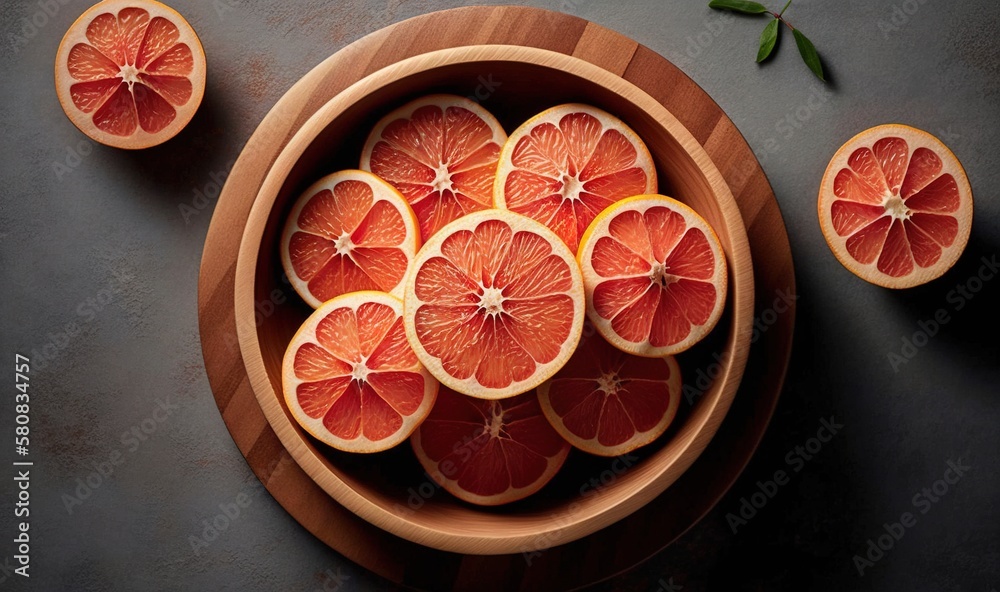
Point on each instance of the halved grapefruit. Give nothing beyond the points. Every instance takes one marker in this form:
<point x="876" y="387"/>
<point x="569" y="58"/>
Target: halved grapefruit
<point x="607" y="402"/>
<point x="567" y="164"/>
<point x="495" y="304"/>
<point x="349" y="231"/>
<point x="655" y="275"/>
<point x="350" y="378"/>
<point x="489" y="452"/>
<point x="439" y="151"/>
<point x="895" y="206"/>
<point x="130" y="73"/>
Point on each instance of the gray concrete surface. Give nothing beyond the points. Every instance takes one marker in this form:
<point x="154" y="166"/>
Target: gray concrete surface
<point x="99" y="274"/>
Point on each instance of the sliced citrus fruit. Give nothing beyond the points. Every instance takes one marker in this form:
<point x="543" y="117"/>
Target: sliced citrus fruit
<point x="130" y="73"/>
<point x="607" y="402"/>
<point x="439" y="151"/>
<point x="349" y="231"/>
<point x="655" y="275"/>
<point x="350" y="378"/>
<point x="895" y="206"/>
<point x="489" y="452"/>
<point x="567" y="164"/>
<point x="495" y="304"/>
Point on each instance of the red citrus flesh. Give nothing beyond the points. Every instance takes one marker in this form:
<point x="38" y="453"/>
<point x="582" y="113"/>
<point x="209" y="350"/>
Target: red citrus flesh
<point x="495" y="304"/>
<point x="655" y="275"/>
<point x="350" y="378"/>
<point x="349" y="231"/>
<point x="489" y="452"/>
<point x="130" y="73"/>
<point x="896" y="206"/>
<point x="569" y="163"/>
<point x="607" y="402"/>
<point x="440" y="152"/>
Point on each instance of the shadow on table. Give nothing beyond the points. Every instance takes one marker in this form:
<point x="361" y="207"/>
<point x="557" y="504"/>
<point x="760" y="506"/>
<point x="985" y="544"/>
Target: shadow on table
<point x="189" y="159"/>
<point x="959" y="308"/>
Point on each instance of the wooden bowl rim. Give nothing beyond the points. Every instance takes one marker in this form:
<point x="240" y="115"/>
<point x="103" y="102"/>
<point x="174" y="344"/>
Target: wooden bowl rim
<point x="616" y="503"/>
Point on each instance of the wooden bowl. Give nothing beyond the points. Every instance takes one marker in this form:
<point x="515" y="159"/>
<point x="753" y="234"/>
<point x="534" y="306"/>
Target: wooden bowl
<point x="389" y="489"/>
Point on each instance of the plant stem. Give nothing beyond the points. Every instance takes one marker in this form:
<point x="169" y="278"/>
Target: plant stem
<point x="778" y="16"/>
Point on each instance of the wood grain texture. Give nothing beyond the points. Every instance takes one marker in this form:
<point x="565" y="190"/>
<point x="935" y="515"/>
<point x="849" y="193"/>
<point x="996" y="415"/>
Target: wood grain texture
<point x="532" y="80"/>
<point x="617" y="547"/>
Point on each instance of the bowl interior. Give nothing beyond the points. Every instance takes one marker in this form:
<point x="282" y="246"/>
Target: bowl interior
<point x="390" y="488"/>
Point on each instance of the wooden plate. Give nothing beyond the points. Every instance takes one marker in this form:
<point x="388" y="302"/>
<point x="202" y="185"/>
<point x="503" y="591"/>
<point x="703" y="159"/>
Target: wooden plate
<point x="619" y="546"/>
<point x="378" y="489"/>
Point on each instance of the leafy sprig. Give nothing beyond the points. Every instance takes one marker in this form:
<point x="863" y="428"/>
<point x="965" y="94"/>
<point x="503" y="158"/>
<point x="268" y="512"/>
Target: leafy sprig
<point x="769" y="37"/>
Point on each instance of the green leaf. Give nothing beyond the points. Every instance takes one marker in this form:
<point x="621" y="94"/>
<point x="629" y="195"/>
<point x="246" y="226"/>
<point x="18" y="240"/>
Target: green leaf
<point x="767" y="40"/>
<point x="809" y="55"/>
<point x="743" y="6"/>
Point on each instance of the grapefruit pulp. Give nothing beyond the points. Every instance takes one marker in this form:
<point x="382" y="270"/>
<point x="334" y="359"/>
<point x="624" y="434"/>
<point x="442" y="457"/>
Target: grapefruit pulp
<point x="895" y="206"/>
<point x="440" y="151"/>
<point x="655" y="275"/>
<point x="350" y="378"/>
<point x="489" y="452"/>
<point x="567" y="164"/>
<point x="130" y="73"/>
<point x="495" y="304"/>
<point x="607" y="402"/>
<point x="349" y="231"/>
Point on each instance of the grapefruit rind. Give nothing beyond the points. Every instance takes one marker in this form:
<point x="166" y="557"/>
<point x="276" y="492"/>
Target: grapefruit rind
<point x="382" y="191"/>
<point x="591" y="279"/>
<point x="640" y="439"/>
<point x="553" y="115"/>
<point x="140" y="139"/>
<point x="915" y="139"/>
<point x="512" y="494"/>
<point x="442" y="101"/>
<point x="314" y="426"/>
<point x="471" y="386"/>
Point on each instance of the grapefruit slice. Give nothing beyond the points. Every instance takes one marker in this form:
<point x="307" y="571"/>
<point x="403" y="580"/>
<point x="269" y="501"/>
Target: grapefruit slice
<point x="489" y="452"/>
<point x="655" y="275"/>
<point x="895" y="206"/>
<point x="349" y="231"/>
<point x="350" y="378"/>
<point x="130" y="73"/>
<point x="607" y="402"/>
<point x="495" y="304"/>
<point x="439" y="151"/>
<point x="567" y="164"/>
